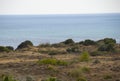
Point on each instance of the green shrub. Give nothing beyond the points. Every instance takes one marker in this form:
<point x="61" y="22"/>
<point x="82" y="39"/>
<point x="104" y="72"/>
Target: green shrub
<point x="4" y="49"/>
<point x="85" y="56"/>
<point x="51" y="67"/>
<point x="57" y="45"/>
<point x="106" y="47"/>
<point x="45" y="45"/>
<point x="109" y="41"/>
<point x="7" y="78"/>
<point x="25" y="44"/>
<point x="81" y="42"/>
<point x="55" y="52"/>
<point x="69" y="41"/>
<point x="102" y="48"/>
<point x="52" y="79"/>
<point x="106" y="41"/>
<point x="107" y="77"/>
<point x="87" y="42"/>
<point x="85" y="69"/>
<point x="81" y="79"/>
<point x="10" y="48"/>
<point x="96" y="61"/>
<point x="29" y="78"/>
<point x="52" y="61"/>
<point x="97" y="53"/>
<point x="51" y="51"/>
<point x="75" y="73"/>
<point x="43" y="51"/>
<point x="73" y="50"/>
<point x="108" y="44"/>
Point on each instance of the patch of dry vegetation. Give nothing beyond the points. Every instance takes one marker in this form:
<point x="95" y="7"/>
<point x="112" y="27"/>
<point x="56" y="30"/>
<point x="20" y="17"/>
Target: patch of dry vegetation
<point x="52" y="61"/>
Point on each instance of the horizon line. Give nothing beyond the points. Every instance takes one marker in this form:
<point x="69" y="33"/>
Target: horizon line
<point x="66" y="13"/>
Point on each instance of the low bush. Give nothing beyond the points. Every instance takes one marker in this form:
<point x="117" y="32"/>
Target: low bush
<point x="107" y="47"/>
<point x="51" y="67"/>
<point x="45" y="45"/>
<point x="51" y="51"/>
<point x="96" y="53"/>
<point x="75" y="73"/>
<point x="10" y="48"/>
<point x="4" y="49"/>
<point x="57" y="45"/>
<point x="73" y="50"/>
<point x="52" y="79"/>
<point x="55" y="52"/>
<point x="25" y="44"/>
<point x="109" y="41"/>
<point x="81" y="79"/>
<point x="85" y="57"/>
<point x="106" y="77"/>
<point x="44" y="51"/>
<point x="52" y="61"/>
<point x="96" y="61"/>
<point x="85" y="69"/>
<point x="106" y="41"/>
<point x="88" y="42"/>
<point x="107" y="44"/>
<point x="69" y="41"/>
<point x="7" y="78"/>
<point x="81" y="42"/>
<point x="28" y="78"/>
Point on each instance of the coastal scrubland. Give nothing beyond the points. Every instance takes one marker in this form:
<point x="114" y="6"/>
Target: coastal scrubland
<point x="68" y="60"/>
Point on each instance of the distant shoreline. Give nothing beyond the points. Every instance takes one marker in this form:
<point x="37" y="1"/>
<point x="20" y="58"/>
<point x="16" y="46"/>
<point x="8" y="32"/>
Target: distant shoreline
<point x="60" y="14"/>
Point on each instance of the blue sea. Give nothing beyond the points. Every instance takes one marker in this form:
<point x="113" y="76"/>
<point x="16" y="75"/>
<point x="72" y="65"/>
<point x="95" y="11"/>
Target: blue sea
<point x="56" y="28"/>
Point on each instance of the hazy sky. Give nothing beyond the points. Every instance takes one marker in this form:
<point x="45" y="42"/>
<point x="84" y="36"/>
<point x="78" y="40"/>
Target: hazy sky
<point x="59" y="6"/>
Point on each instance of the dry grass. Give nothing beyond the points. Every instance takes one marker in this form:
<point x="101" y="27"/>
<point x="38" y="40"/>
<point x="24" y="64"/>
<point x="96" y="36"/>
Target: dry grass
<point x="22" y="64"/>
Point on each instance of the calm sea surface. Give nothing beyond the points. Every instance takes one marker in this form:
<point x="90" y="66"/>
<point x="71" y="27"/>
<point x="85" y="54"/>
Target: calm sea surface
<point x="55" y="28"/>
